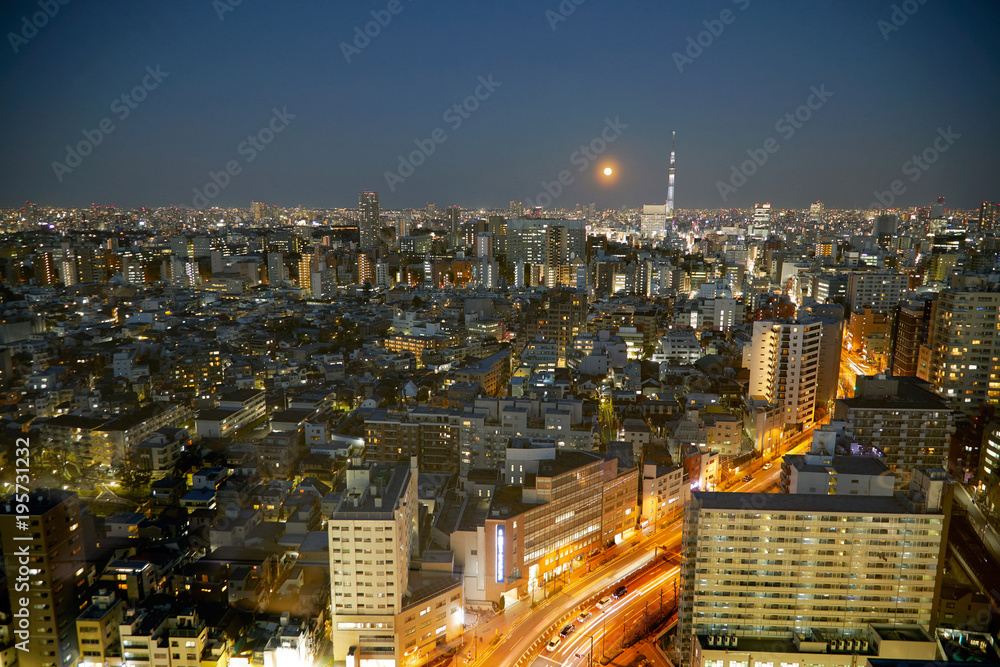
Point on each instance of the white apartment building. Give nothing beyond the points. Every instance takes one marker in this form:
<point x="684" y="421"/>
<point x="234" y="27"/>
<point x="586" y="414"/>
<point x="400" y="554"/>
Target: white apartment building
<point x="679" y="347"/>
<point x="486" y="431"/>
<point x="662" y="492"/>
<point x="784" y="362"/>
<point x="372" y="533"/>
<point x="836" y="475"/>
<point x="881" y="291"/>
<point x="780" y="564"/>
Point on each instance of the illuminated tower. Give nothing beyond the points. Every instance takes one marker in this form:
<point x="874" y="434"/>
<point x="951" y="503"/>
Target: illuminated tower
<point x="670" y="182"/>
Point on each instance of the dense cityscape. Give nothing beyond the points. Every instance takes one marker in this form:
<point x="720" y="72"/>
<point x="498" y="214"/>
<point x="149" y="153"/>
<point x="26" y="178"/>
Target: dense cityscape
<point x="567" y="420"/>
<point x="568" y="334"/>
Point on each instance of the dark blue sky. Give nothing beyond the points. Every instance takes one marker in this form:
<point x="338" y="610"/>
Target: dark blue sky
<point x="557" y="87"/>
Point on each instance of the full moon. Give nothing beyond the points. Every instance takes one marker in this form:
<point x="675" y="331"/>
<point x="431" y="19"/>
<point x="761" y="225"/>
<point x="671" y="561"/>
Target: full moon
<point x="607" y="171"/>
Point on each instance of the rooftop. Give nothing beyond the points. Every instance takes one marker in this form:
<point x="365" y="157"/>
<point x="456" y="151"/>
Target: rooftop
<point x="798" y="502"/>
<point x="842" y="465"/>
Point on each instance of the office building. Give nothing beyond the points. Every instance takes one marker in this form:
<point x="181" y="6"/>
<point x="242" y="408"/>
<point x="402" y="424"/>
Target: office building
<point x="653" y="220"/>
<point x="519" y="542"/>
<point x="885" y="225"/>
<point x="58" y="576"/>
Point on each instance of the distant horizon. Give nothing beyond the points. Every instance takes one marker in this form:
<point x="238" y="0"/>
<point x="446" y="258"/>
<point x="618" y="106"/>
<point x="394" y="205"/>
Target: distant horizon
<point x="441" y="208"/>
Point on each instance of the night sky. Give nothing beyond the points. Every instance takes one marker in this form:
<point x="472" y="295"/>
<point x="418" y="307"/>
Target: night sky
<point x="221" y="80"/>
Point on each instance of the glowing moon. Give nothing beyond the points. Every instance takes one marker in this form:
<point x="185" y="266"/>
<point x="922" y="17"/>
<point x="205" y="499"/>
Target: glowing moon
<point x="608" y="171"/>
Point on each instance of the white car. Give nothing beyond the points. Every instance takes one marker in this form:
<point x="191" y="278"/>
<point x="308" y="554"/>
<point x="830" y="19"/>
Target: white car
<point x="554" y="643"/>
<point x="603" y="602"/>
<point x="767" y="466"/>
<point x="582" y="618"/>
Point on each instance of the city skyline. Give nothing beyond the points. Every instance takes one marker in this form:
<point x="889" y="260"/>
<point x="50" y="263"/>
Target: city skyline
<point x="836" y="110"/>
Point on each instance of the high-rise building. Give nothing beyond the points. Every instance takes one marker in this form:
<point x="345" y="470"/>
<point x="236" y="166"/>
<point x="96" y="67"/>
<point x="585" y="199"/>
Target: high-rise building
<point x="366" y="269"/>
<point x="54" y="551"/>
<point x="46" y="271"/>
<point x="909" y="332"/>
<point x="528" y="240"/>
<point x="453" y="215"/>
<point x="565" y="316"/>
<point x="670" y="177"/>
<point x="368" y="219"/>
<point x="773" y="565"/>
<point x="373" y="532"/>
<point x="306" y="264"/>
<point x="276" y="271"/>
<point x="816" y="212"/>
<point x="430" y="436"/>
<point x="784" y="361"/>
<point x="653" y="220"/>
<point x="885" y="225"/>
<point x="963" y="347"/>
<point x="881" y="291"/>
<point x="902" y="419"/>
<point x="989" y="216"/>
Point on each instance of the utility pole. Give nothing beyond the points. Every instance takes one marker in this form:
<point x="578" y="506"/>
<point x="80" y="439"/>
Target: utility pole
<point x="590" y="660"/>
<point x="604" y="633"/>
<point x="647" y="618"/>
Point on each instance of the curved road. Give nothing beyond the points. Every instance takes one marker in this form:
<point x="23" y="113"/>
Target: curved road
<point x="528" y="635"/>
<point x="531" y="632"/>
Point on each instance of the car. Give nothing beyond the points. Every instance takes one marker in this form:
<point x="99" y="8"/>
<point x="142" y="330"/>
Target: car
<point x="567" y="630"/>
<point x="620" y="592"/>
<point x="767" y="466"/>
<point x="603" y="602"/>
<point x="748" y="478"/>
<point x="554" y="643"/>
<point x="582" y="618"/>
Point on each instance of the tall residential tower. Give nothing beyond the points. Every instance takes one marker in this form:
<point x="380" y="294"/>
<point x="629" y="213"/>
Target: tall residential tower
<point x="368" y="222"/>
